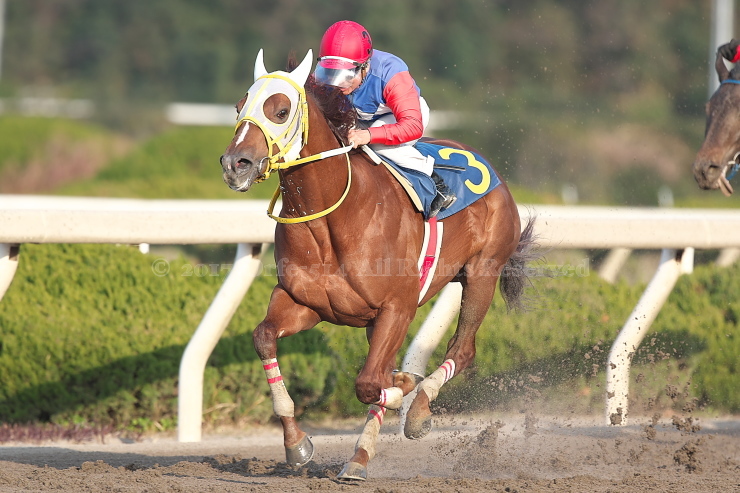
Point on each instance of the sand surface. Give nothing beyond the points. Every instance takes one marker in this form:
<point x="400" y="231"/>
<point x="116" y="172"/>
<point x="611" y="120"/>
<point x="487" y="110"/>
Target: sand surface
<point x="507" y="453"/>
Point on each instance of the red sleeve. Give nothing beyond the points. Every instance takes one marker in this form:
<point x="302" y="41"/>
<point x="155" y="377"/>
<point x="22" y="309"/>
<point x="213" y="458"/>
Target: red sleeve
<point x="737" y="55"/>
<point x="401" y="97"/>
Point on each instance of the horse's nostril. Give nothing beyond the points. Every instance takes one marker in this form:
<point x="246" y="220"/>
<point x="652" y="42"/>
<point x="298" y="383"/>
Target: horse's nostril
<point x="244" y="162"/>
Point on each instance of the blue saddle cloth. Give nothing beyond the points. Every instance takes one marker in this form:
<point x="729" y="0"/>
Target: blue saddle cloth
<point x="466" y="173"/>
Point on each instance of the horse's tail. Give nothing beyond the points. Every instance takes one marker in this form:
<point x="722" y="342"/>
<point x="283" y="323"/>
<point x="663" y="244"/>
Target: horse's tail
<point x="514" y="277"/>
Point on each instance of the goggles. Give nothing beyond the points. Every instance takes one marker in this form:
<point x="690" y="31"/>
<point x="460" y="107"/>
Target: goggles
<point x="336" y="71"/>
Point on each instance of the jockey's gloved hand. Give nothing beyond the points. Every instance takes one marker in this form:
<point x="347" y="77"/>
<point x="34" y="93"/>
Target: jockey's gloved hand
<point x="729" y="50"/>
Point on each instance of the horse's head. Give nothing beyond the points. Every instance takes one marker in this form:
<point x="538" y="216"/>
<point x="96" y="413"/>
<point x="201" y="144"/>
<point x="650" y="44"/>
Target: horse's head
<point x="721" y="147"/>
<point x="272" y="124"/>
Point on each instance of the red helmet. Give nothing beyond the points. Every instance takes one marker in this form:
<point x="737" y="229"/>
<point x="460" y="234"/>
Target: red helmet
<point x="345" y="47"/>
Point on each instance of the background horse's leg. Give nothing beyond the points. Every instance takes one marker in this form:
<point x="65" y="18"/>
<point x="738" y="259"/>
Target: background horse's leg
<point x="284" y="318"/>
<point x="477" y="295"/>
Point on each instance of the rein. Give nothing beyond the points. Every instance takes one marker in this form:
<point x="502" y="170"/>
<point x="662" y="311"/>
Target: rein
<point x="735" y="166"/>
<point x="293" y="220"/>
<point x="300" y="118"/>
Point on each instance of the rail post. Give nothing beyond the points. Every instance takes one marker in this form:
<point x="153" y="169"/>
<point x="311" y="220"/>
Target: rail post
<point x="247" y="265"/>
<point x="8" y="265"/>
<point x="428" y="337"/>
<point x="673" y="263"/>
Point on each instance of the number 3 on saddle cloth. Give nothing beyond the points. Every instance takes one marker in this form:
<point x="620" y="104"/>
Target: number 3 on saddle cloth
<point x="468" y="175"/>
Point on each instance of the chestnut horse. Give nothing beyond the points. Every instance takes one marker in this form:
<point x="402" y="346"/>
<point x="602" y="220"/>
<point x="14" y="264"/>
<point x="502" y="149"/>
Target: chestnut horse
<point x="720" y="150"/>
<point x="342" y="216"/>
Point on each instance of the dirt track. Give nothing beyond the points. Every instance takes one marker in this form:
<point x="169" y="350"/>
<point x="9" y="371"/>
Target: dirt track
<point x="501" y="453"/>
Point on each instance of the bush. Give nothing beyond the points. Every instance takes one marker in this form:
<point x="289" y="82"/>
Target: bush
<point x="40" y="154"/>
<point x="563" y="346"/>
<point x="90" y="334"/>
<point x="182" y="162"/>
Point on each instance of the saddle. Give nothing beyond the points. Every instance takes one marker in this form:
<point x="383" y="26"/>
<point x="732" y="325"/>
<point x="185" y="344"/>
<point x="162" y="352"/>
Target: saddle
<point x="467" y="174"/>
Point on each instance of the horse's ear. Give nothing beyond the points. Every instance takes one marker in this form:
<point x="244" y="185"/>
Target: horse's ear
<point x="259" y="66"/>
<point x="722" y="70"/>
<point x="302" y="71"/>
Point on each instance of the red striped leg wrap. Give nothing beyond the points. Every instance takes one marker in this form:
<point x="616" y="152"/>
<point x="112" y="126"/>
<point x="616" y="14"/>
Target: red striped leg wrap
<point x="371" y="429"/>
<point x="391" y="398"/>
<point x="376" y="412"/>
<point x="449" y="369"/>
<point x="439" y="377"/>
<point x="282" y="404"/>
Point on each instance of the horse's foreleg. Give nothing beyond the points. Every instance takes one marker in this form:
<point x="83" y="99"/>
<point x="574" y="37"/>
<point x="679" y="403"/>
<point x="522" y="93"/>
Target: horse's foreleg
<point x="356" y="468"/>
<point x="378" y="386"/>
<point x="298" y="447"/>
<point x="476" y="299"/>
<point x="376" y="383"/>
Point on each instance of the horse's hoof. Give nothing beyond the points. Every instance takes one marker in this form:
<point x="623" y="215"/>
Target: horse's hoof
<point x="352" y="471"/>
<point x="300" y="454"/>
<point x="414" y="429"/>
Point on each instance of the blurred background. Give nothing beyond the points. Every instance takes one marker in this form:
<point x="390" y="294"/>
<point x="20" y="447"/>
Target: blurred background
<point x="590" y="102"/>
<point x="574" y="102"/>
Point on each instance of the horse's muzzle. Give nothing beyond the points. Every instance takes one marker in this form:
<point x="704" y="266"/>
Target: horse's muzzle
<point x="711" y="176"/>
<point x="239" y="173"/>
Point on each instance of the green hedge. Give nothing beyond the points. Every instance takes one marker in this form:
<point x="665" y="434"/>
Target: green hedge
<point x="23" y="139"/>
<point x="182" y="162"/>
<point x="91" y="335"/>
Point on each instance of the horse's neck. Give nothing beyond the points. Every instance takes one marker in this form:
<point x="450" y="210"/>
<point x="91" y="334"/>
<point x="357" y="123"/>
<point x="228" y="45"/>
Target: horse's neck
<point x="315" y="186"/>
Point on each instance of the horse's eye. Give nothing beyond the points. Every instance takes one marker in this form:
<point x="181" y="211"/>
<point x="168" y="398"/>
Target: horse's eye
<point x="282" y="114"/>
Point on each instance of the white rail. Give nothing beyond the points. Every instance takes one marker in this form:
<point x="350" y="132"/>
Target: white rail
<point x="35" y="219"/>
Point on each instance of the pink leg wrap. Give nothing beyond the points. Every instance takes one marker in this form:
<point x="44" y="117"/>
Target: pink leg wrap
<point x="439" y="377"/>
<point x="371" y="429"/>
<point x="282" y="404"/>
<point x="391" y="398"/>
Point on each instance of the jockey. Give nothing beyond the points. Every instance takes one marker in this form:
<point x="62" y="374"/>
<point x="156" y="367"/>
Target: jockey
<point x="391" y="113"/>
<point x="729" y="51"/>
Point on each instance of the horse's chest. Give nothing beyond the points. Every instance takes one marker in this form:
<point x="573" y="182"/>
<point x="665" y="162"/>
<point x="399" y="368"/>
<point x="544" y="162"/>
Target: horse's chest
<point x="348" y="281"/>
<point x="322" y="285"/>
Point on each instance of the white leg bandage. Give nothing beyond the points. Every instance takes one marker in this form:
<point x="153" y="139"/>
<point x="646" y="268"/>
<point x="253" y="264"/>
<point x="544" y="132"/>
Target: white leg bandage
<point x="370" y="432"/>
<point x="391" y="398"/>
<point x="439" y="377"/>
<point x="282" y="404"/>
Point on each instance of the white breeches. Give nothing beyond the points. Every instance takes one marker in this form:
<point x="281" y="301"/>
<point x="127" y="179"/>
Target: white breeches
<point x="405" y="154"/>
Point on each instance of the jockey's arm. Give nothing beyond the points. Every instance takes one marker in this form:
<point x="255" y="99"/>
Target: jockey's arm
<point x="401" y="97"/>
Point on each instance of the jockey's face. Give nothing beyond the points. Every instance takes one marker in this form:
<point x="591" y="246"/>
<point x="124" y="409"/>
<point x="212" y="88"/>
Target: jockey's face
<point x="353" y="85"/>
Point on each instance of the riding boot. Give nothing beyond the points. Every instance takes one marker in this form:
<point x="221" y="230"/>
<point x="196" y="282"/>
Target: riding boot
<point x="445" y="196"/>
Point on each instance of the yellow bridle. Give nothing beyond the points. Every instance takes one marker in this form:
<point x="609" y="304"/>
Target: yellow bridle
<point x="300" y="117"/>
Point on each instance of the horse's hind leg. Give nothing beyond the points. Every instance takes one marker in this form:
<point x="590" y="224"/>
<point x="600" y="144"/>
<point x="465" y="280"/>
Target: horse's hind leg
<point x="476" y="299"/>
<point x="284" y="318"/>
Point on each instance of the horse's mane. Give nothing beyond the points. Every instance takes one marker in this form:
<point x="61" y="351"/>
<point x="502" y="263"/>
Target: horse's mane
<point x="335" y="106"/>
